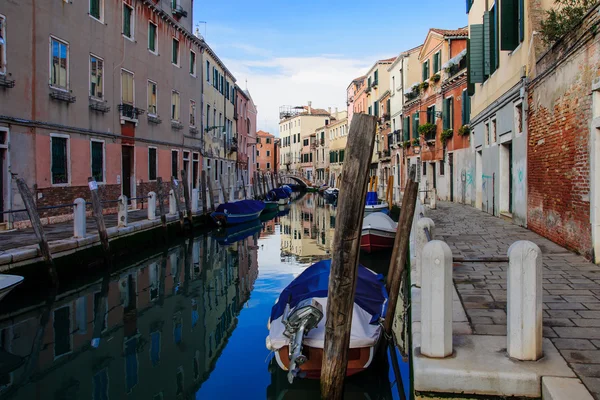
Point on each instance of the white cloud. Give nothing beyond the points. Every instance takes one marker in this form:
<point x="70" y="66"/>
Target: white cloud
<point x="277" y="81"/>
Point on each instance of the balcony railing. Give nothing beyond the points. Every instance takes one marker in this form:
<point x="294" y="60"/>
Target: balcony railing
<point x="100" y="106"/>
<point x="430" y="136"/>
<point x="129" y="111"/>
<point x="6" y="83"/>
<point x="386" y="117"/>
<point x="62" y="96"/>
<point x="179" y="12"/>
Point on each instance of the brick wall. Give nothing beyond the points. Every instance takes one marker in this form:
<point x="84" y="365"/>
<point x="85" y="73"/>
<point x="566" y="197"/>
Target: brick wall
<point x="558" y="161"/>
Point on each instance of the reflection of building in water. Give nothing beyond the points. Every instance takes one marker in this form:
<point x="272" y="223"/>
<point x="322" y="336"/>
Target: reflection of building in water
<point x="161" y="326"/>
<point x="268" y="227"/>
<point x="303" y="229"/>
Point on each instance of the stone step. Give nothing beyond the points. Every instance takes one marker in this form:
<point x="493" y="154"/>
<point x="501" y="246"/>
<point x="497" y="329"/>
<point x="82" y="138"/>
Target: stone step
<point x="3" y="226"/>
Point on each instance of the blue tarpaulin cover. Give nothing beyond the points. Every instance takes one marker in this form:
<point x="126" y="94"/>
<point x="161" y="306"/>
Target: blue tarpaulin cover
<point x="241" y="207"/>
<point x="371" y="198"/>
<point x="288" y="189"/>
<point x="370" y="294"/>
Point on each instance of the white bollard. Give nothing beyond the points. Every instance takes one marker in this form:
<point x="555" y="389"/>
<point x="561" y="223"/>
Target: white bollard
<point x="195" y="198"/>
<point x="524" y="301"/>
<point x="172" y="205"/>
<point x="122" y="211"/>
<point x="436" y="300"/>
<point x="433" y="200"/>
<point x="151" y="206"/>
<point x="420" y="242"/>
<point x="79" y="226"/>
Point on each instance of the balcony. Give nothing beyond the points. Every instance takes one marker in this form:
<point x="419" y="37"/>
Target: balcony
<point x="232" y="144"/>
<point x="368" y="89"/>
<point x="154" y="119"/>
<point x="6" y="83"/>
<point x="375" y="83"/>
<point x="176" y="125"/>
<point x="129" y="111"/>
<point x="61" y="95"/>
<point x="386" y="117"/>
<point x="99" y="106"/>
<point x="193" y="130"/>
<point x="322" y="142"/>
<point x="179" y="12"/>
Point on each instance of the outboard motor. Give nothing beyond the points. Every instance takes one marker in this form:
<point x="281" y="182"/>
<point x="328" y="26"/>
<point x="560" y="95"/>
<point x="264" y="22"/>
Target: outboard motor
<point x="301" y="319"/>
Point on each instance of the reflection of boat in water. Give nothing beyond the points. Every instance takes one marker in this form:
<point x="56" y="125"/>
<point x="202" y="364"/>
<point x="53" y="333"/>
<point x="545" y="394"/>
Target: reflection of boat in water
<point x="8" y="283"/>
<point x="378" y="232"/>
<point x="371" y="384"/>
<point x="270" y="206"/>
<point x="297" y="322"/>
<point x="237" y="212"/>
<point x="232" y="234"/>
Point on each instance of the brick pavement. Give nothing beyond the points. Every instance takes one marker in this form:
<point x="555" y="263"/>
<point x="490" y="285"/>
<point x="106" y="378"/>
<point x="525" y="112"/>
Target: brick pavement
<point x="571" y="285"/>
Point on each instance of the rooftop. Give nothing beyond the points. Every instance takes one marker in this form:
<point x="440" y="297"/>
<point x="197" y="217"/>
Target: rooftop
<point x="464" y="32"/>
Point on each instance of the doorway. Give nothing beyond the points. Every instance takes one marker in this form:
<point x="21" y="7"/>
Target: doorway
<point x="4" y="177"/>
<point x="433" y="175"/>
<point x="506" y="182"/>
<point x="127" y="171"/>
<point x="451" y="164"/>
<point x="478" y="181"/>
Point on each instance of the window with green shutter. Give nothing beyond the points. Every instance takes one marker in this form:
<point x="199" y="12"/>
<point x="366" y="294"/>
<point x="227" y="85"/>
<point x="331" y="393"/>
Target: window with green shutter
<point x="425" y="70"/>
<point x="151" y="37"/>
<point x="95" y="8"/>
<point x="415" y="127"/>
<point x="127" y="11"/>
<point x="431" y="115"/>
<point x="436" y="62"/>
<point x="475" y="54"/>
<point x="388" y="107"/>
<point x="376" y="77"/>
<point x="376" y="106"/>
<point x="445" y="114"/>
<point x="341" y="155"/>
<point x="469" y="4"/>
<point x="406" y="128"/>
<point x="370" y="110"/>
<point x="152" y="164"/>
<point x="369" y="84"/>
<point x="521" y="20"/>
<point x="98" y="161"/>
<point x="489" y="42"/>
<point x="59" y="160"/>
<point x="509" y="24"/>
<point x="466" y="108"/>
<point x="175" y="52"/>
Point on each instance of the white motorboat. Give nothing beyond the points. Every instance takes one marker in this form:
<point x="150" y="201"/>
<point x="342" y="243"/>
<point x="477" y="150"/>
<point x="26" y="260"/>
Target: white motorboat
<point x="8" y="283"/>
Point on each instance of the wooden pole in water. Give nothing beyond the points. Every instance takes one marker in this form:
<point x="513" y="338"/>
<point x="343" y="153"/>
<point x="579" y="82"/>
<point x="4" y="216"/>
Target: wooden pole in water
<point x="203" y="190"/>
<point x="273" y="181"/>
<point x="36" y="224"/>
<point x="211" y="194"/>
<point x="345" y="252"/>
<point x="161" y="204"/>
<point x="98" y="216"/>
<point x="400" y="252"/>
<point x="244" y="187"/>
<point x="223" y="189"/>
<point x="264" y="183"/>
<point x="175" y="189"/>
<point x="186" y="196"/>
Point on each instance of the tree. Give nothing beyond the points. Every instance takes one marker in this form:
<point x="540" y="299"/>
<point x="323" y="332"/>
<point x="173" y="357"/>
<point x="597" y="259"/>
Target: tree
<point x="563" y="18"/>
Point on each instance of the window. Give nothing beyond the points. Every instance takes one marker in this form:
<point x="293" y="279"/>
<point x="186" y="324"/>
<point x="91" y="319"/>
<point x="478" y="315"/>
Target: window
<point x="442" y="166"/>
<point x="152" y="37"/>
<point x="97" y="9"/>
<point x="152" y="92"/>
<point x="96" y="77"/>
<point x="127" y="21"/>
<point x="519" y="118"/>
<point x="2" y="45"/>
<point x="425" y="70"/>
<point x="268" y="165"/>
<point x="436" y="62"/>
<point x="192" y="113"/>
<point x="127" y="88"/>
<point x="98" y="160"/>
<point x="207" y="71"/>
<point x="415" y="127"/>
<point x="59" y="64"/>
<point x="59" y="166"/>
<point x="512" y="24"/>
<point x="424" y="169"/>
<point x="174" y="106"/>
<point x="257" y="153"/>
<point x="431" y="115"/>
<point x="493" y="133"/>
<point x="207" y="116"/>
<point x="192" y="63"/>
<point x="227" y="92"/>
<point x="268" y="140"/>
<point x="305" y="142"/>
<point x="268" y="153"/>
<point x="152" y="164"/>
<point x="487" y="134"/>
<point x="447" y="113"/>
<point x="465" y="108"/>
<point x="376" y="107"/>
<point x="174" y="163"/>
<point x="175" y="52"/>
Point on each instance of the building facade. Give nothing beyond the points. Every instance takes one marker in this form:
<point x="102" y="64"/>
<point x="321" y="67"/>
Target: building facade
<point x="245" y="117"/>
<point x="125" y="110"/>
<point x="337" y="134"/>
<point x="266" y="152"/>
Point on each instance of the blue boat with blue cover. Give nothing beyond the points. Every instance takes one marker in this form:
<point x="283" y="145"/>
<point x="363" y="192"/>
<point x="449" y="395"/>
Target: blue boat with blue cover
<point x="237" y="212"/>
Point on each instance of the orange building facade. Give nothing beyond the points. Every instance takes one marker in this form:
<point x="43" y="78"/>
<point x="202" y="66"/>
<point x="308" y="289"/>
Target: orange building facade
<point x="267" y="158"/>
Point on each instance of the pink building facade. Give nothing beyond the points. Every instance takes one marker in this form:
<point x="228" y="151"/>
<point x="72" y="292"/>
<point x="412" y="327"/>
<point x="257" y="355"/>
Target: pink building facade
<point x="245" y="115"/>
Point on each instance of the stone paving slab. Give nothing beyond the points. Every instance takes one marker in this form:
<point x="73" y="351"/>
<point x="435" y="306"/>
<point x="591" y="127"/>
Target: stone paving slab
<point x="571" y="285"/>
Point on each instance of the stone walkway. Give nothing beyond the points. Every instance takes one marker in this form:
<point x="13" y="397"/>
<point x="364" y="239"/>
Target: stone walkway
<point x="64" y="230"/>
<point x="571" y="285"/>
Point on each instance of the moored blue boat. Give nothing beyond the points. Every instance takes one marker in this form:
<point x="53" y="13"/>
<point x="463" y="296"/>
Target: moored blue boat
<point x="280" y="195"/>
<point x="237" y="212"/>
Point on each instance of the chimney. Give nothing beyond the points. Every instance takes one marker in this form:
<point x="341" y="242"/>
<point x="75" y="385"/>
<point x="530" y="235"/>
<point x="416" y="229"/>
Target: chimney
<point x="336" y="111"/>
<point x="310" y="107"/>
<point x="329" y="110"/>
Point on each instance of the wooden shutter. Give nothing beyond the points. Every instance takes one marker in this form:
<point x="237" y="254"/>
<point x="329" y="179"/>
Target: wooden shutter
<point x="469" y="4"/>
<point x="152" y="37"/>
<point x="487" y="43"/>
<point x="475" y="55"/>
<point x="463" y="109"/>
<point x="450" y="113"/>
<point x="436" y="62"/>
<point x="406" y="133"/>
<point x="376" y="106"/>
<point x="445" y="114"/>
<point x="415" y="127"/>
<point x="509" y="29"/>
<point x="521" y="20"/>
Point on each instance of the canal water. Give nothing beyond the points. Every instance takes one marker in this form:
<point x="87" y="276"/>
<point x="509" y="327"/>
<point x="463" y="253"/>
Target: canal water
<point x="187" y="321"/>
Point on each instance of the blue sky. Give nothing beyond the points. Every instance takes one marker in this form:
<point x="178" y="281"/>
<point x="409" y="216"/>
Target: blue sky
<point x="293" y="52"/>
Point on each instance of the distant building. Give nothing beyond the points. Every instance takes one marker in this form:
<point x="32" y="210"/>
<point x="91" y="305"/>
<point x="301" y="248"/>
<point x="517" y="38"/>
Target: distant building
<point x="266" y="152"/>
<point x="245" y="116"/>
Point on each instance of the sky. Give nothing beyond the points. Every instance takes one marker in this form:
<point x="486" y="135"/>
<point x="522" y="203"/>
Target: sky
<point x="293" y="52"/>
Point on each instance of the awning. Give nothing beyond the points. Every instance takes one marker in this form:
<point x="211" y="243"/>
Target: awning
<point x="455" y="60"/>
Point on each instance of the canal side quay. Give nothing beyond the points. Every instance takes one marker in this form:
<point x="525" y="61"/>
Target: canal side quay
<point x="480" y="361"/>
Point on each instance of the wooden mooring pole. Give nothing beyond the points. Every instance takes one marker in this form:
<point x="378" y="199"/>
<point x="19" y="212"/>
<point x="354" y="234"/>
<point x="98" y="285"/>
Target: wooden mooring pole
<point x="186" y="196"/>
<point x="345" y="252"/>
<point x="161" y="205"/>
<point x="203" y="187"/>
<point x="38" y="229"/>
<point x="99" y="217"/>
<point x="175" y="188"/>
<point x="400" y="251"/>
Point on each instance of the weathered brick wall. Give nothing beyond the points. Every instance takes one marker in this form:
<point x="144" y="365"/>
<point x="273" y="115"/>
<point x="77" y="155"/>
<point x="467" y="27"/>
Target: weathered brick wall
<point x="559" y="117"/>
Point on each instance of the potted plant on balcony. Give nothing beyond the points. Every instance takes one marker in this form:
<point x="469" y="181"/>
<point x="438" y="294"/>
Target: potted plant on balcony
<point x="423" y="86"/>
<point x="435" y="78"/>
<point x="428" y="131"/>
<point x="445" y="135"/>
<point x="416" y="142"/>
<point x="406" y="144"/>
<point x="464" y="130"/>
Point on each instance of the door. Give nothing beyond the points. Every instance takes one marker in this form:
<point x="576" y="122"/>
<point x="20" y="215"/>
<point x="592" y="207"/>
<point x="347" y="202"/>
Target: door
<point x="451" y="163"/>
<point x="510" y="178"/>
<point x="127" y="165"/>
<point x="433" y="175"/>
<point x="2" y="174"/>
